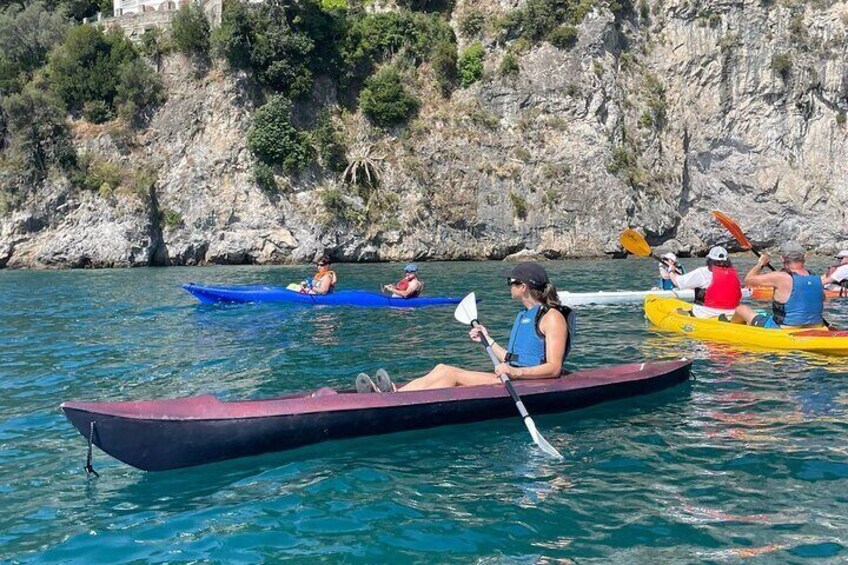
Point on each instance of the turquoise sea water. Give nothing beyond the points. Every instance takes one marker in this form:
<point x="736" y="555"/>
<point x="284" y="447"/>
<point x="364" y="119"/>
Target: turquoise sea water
<point x="746" y="463"/>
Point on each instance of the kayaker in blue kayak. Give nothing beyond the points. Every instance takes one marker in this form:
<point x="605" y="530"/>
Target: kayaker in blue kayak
<point x="410" y="286"/>
<point x="538" y="344"/>
<point x="798" y="294"/>
<point x="324" y="280"/>
<point x="669" y="265"/>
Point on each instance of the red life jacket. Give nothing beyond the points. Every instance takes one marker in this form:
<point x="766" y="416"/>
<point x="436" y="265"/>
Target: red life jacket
<point x="403" y="284"/>
<point x="724" y="293"/>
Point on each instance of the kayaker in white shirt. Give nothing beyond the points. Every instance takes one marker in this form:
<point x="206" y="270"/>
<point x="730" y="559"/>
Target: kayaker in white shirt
<point x="834" y="281"/>
<point x="716" y="285"/>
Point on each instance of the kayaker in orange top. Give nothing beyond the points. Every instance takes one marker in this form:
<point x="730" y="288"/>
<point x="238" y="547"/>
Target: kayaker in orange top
<point x="841" y="282"/>
<point x="717" y="290"/>
<point x="798" y="294"/>
<point x="324" y="280"/>
<point x="539" y="343"/>
<point x="409" y="286"/>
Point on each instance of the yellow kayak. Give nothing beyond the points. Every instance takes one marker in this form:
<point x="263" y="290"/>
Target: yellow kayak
<point x="663" y="313"/>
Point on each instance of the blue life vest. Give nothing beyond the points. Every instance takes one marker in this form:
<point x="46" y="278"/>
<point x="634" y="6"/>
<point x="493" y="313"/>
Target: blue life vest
<point x="805" y="305"/>
<point x="527" y="344"/>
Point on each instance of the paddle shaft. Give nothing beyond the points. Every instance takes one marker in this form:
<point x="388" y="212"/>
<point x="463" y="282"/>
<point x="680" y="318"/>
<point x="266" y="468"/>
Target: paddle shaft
<point x="487" y="345"/>
<point x="661" y="262"/>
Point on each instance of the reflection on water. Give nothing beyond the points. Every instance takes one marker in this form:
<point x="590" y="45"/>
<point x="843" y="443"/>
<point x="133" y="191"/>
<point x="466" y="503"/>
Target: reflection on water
<point x="748" y="461"/>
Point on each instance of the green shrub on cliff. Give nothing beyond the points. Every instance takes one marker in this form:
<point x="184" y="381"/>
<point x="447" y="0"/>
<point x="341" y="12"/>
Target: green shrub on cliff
<point x="283" y="44"/>
<point x="329" y="143"/>
<point x="407" y="37"/>
<point x="444" y="67"/>
<point x="190" y="30"/>
<point x="26" y="36"/>
<point x="564" y="37"/>
<point x="37" y="131"/>
<point x="470" y="64"/>
<point x="274" y="140"/>
<point x="385" y="100"/>
<point x="96" y="68"/>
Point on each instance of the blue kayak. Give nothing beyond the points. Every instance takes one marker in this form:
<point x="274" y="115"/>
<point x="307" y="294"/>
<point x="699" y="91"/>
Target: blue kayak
<point x="243" y="294"/>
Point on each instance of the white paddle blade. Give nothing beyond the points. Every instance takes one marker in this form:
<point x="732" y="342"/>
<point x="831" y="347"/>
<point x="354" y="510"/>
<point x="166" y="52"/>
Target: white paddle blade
<point x="466" y="311"/>
<point x="540" y="441"/>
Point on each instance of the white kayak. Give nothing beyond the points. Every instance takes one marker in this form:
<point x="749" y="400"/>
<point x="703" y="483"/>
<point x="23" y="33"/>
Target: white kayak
<point x="620" y="296"/>
<point x="627" y="296"/>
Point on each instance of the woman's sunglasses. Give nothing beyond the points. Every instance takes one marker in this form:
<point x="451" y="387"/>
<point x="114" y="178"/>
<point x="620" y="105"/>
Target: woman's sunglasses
<point x="513" y="282"/>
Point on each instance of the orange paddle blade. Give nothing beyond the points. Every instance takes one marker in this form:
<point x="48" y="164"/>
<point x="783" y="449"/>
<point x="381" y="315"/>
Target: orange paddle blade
<point x="635" y="243"/>
<point x="733" y="228"/>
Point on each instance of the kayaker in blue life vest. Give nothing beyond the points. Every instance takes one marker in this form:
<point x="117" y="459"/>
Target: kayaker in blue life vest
<point x="798" y="294"/>
<point x="717" y="290"/>
<point x="409" y="286"/>
<point x="669" y="265"/>
<point x="538" y="344"/>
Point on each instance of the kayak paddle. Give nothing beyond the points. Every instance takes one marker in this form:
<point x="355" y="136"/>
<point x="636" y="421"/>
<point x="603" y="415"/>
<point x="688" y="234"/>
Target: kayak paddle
<point x="737" y="233"/>
<point x="635" y="243"/>
<point x="466" y="313"/>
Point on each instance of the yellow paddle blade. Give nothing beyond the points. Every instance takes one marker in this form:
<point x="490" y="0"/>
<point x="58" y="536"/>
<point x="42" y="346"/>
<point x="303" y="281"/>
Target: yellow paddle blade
<point x="635" y="243"/>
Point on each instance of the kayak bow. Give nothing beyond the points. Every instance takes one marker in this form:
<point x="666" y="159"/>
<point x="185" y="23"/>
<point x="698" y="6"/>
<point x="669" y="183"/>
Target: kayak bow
<point x="158" y="435"/>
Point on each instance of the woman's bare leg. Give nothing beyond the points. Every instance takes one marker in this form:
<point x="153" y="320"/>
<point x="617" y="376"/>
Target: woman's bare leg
<point x="443" y="376"/>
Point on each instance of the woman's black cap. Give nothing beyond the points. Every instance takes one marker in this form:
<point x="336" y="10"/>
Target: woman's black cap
<point x="530" y="273"/>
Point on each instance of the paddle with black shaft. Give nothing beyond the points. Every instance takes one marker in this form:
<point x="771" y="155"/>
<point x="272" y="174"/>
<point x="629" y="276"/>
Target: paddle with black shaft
<point x="635" y="243"/>
<point x="737" y="233"/>
<point x="466" y="313"/>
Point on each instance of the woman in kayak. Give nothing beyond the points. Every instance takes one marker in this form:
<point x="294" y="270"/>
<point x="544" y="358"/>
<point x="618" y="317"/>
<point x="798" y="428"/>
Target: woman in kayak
<point x="717" y="290"/>
<point x="407" y="287"/>
<point x="669" y="265"/>
<point x="538" y="344"/>
<point x="324" y="280"/>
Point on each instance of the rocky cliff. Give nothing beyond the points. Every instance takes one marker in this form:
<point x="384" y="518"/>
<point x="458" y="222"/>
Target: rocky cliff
<point x="651" y="119"/>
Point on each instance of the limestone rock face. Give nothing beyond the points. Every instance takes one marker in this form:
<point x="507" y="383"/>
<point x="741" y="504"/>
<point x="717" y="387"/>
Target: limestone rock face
<point x="650" y="120"/>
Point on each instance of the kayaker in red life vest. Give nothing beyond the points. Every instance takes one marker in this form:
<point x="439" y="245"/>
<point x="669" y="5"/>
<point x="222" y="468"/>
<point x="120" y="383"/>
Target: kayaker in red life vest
<point x="538" y="344"/>
<point x="324" y="280"/>
<point x="798" y="294"/>
<point x="407" y="287"/>
<point x="716" y="285"/>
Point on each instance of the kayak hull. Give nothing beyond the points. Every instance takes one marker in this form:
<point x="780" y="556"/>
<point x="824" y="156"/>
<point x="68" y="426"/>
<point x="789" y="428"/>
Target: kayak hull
<point x="663" y="313"/>
<point x="257" y="293"/>
<point x="168" y="434"/>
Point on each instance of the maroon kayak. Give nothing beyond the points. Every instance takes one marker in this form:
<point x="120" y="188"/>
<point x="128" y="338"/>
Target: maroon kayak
<point x="156" y="435"/>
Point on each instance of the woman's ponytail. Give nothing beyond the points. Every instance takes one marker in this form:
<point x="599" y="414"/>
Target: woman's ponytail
<point x="547" y="296"/>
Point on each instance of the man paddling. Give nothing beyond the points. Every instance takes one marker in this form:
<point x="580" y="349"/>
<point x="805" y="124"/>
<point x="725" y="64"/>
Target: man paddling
<point x="409" y="286"/>
<point x="834" y="281"/>
<point x="837" y="277"/>
<point x="716" y="285"/>
<point x="798" y="294"/>
<point x="538" y="344"/>
<point x="669" y="265"/>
